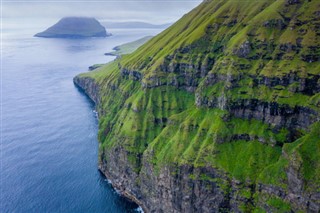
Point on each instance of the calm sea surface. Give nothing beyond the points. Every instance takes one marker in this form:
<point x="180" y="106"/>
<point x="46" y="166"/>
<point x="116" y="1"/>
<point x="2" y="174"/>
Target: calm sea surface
<point x="49" y="128"/>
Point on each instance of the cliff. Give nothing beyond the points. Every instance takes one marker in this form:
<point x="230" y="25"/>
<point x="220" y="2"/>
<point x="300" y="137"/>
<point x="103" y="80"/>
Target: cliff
<point x="218" y="113"/>
<point x="75" y="27"/>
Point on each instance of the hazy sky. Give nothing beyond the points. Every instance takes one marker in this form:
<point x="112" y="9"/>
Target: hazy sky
<point x="41" y="13"/>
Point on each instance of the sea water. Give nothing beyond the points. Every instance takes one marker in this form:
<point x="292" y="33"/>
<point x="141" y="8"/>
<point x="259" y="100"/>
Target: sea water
<point x="49" y="129"/>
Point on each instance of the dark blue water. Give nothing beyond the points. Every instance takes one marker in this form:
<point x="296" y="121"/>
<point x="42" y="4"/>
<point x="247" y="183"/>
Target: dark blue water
<point x="49" y="128"/>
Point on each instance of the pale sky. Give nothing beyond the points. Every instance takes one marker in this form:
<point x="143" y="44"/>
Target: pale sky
<point x="42" y="13"/>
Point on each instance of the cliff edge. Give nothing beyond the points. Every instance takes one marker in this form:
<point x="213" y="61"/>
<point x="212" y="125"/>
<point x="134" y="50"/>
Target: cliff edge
<point x="218" y="113"/>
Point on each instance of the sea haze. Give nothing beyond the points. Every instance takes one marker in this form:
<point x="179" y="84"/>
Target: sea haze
<point x="49" y="128"/>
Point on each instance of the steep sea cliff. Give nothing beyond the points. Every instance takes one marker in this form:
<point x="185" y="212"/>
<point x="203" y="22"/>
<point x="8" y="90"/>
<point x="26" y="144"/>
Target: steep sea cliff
<point x="220" y="112"/>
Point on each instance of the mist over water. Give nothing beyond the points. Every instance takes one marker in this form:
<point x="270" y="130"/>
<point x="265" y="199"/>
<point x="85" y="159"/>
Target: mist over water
<point x="49" y="129"/>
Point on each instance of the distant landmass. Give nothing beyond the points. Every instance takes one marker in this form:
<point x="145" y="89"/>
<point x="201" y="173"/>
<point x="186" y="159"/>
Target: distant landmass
<point x="75" y="27"/>
<point x="123" y="49"/>
<point x="128" y="47"/>
<point x="134" y="25"/>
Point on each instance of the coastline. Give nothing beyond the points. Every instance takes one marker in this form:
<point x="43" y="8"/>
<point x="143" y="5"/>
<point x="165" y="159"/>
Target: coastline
<point x="123" y="192"/>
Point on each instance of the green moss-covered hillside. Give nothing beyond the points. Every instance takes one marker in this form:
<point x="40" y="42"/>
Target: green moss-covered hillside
<point x="231" y="89"/>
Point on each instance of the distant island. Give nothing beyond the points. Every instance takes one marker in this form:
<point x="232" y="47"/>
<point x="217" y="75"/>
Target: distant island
<point x="134" y="24"/>
<point x="75" y="27"/>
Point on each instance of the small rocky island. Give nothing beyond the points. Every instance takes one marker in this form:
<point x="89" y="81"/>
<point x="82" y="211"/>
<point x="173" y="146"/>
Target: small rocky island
<point x="75" y="27"/>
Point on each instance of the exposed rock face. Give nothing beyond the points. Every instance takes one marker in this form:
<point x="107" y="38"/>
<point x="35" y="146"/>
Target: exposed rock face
<point x="271" y="113"/>
<point x="184" y="188"/>
<point x="244" y="50"/>
<point x="299" y="198"/>
<point x="223" y="116"/>
<point x="75" y="27"/>
<point x="90" y="87"/>
<point x="171" y="189"/>
<point x="131" y="74"/>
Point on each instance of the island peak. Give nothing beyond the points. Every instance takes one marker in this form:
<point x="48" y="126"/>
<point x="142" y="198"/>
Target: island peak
<point x="75" y="27"/>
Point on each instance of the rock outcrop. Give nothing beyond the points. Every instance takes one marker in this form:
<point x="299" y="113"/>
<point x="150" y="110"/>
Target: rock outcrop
<point x="90" y="87"/>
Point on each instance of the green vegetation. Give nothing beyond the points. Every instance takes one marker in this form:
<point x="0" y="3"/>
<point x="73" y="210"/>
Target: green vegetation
<point x="232" y="86"/>
<point x="306" y="152"/>
<point x="95" y="66"/>
<point x="279" y="205"/>
<point x="245" y="160"/>
<point x="129" y="47"/>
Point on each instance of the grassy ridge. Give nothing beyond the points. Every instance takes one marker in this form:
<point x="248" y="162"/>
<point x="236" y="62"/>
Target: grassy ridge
<point x="129" y="47"/>
<point x="231" y="51"/>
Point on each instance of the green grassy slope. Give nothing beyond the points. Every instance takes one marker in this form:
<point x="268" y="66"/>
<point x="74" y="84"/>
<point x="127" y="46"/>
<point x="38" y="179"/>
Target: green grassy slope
<point x="129" y="47"/>
<point x="194" y="95"/>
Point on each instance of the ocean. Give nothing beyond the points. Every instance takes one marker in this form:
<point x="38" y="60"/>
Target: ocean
<point x="49" y="128"/>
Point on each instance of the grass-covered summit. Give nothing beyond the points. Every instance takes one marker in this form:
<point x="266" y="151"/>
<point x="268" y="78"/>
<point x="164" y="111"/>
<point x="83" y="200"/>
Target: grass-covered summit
<point x="220" y="112"/>
<point x="75" y="27"/>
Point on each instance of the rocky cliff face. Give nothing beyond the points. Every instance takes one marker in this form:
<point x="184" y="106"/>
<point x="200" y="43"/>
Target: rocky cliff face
<point x="90" y="87"/>
<point x="184" y="188"/>
<point x="224" y="117"/>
